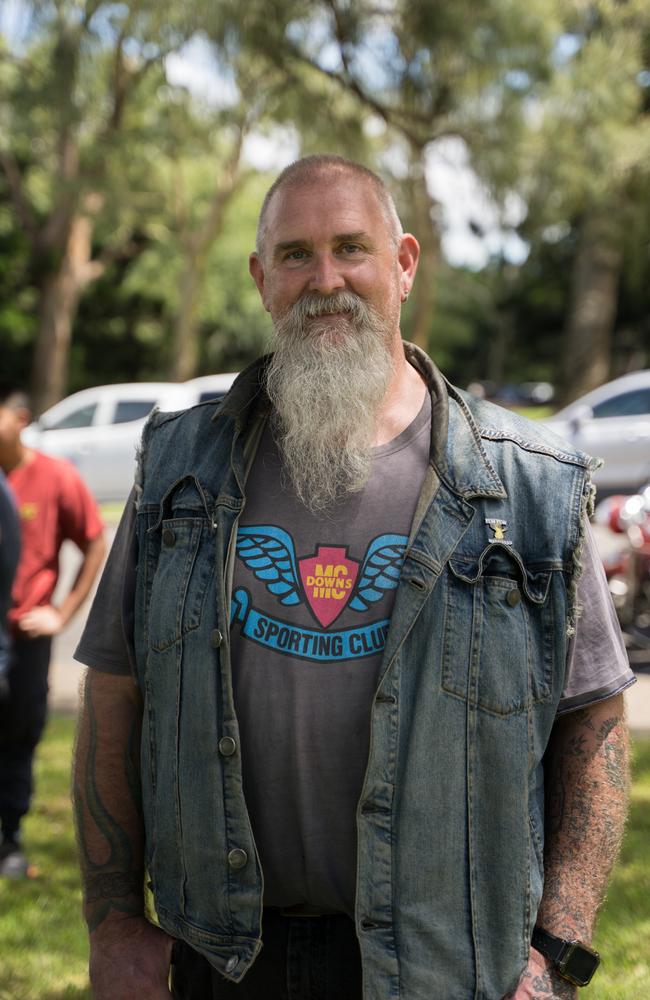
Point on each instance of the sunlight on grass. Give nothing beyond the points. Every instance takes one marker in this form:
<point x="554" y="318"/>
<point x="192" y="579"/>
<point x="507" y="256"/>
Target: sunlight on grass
<point x="43" y="940"/>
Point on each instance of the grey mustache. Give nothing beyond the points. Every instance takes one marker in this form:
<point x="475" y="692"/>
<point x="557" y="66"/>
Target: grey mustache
<point x="323" y="305"/>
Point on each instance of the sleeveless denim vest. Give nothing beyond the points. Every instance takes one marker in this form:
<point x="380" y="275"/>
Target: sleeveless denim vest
<point x="451" y="817"/>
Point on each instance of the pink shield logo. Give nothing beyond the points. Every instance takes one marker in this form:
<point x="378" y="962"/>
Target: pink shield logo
<point x="328" y="579"/>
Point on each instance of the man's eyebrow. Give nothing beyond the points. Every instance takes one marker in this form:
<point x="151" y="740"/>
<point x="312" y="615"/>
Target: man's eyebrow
<point x="288" y="245"/>
<point x="359" y="237"/>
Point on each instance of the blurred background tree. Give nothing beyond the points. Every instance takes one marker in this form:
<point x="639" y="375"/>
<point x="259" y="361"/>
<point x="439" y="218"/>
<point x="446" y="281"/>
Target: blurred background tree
<point x="130" y="176"/>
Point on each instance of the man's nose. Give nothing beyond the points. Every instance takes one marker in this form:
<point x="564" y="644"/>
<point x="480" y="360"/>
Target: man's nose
<point x="326" y="276"/>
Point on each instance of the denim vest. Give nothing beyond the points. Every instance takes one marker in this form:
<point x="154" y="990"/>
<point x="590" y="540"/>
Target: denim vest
<point x="451" y="817"/>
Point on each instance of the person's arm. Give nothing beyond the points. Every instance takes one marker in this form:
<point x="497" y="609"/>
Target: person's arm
<point x="45" y="619"/>
<point x="128" y="955"/>
<point x="587" y="780"/>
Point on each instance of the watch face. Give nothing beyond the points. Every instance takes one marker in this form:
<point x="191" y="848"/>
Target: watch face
<point x="580" y="964"/>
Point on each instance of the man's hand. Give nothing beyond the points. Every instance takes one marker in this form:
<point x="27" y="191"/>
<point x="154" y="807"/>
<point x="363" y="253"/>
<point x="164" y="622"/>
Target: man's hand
<point x="129" y="957"/>
<point x="40" y="621"/>
<point x="539" y="981"/>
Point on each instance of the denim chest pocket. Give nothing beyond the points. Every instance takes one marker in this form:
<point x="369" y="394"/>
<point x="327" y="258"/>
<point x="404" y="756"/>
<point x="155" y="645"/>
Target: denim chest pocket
<point x="498" y="638"/>
<point x="181" y="566"/>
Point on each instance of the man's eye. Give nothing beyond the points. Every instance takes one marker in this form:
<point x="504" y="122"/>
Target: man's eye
<point x="295" y="255"/>
<point x="349" y="249"/>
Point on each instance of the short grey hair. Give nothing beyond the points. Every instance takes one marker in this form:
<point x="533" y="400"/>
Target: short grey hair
<point x="313" y="168"/>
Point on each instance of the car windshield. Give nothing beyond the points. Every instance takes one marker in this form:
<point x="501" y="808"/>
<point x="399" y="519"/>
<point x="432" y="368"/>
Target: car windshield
<point x="83" y="417"/>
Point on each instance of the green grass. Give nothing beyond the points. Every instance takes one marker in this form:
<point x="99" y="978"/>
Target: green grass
<point x="535" y="412"/>
<point x="43" y="942"/>
<point x="42" y="937"/>
<point x="111" y="512"/>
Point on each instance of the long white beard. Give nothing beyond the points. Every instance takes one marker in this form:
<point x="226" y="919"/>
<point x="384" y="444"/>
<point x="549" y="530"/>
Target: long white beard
<point x="327" y="382"/>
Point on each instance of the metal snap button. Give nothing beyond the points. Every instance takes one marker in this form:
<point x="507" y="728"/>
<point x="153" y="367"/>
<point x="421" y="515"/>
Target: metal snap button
<point x="237" y="858"/>
<point x="168" y="536"/>
<point x="513" y="597"/>
<point x="232" y="963"/>
<point x="227" y="746"/>
<point x="216" y="638"/>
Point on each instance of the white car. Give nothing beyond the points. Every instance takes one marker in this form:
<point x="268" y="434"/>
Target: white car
<point x="98" y="429"/>
<point x="612" y="423"/>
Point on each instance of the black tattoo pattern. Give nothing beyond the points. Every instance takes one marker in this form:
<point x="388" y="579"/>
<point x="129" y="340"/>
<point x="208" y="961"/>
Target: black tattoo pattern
<point x="115" y="882"/>
<point x="547" y="986"/>
<point x="586" y="779"/>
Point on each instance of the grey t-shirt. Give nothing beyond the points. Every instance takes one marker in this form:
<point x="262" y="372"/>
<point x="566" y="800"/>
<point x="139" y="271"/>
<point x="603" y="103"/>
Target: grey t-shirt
<point x="312" y="599"/>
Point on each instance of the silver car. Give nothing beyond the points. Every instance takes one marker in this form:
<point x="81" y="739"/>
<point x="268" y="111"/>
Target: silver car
<point x="98" y="429"/>
<point x="612" y="423"/>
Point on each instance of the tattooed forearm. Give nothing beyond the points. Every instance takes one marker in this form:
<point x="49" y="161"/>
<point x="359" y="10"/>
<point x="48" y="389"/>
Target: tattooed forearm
<point x="112" y="885"/>
<point x="587" y="782"/>
<point x="106" y="795"/>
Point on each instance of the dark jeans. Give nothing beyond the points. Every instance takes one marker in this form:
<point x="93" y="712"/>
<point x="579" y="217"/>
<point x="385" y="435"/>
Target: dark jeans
<point x="303" y="958"/>
<point x="22" y="718"/>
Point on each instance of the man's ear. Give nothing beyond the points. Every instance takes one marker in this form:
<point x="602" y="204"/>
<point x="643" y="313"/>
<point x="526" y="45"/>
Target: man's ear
<point x="23" y="416"/>
<point x="408" y="256"/>
<point x="257" y="274"/>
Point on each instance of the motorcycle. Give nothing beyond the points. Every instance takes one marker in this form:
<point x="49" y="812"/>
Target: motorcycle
<point x="621" y="526"/>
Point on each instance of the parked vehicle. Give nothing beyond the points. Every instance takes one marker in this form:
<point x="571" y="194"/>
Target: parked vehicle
<point x="98" y="429"/>
<point x="612" y="423"/>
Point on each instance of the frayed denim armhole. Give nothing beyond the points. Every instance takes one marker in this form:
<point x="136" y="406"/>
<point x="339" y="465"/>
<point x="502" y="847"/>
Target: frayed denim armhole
<point x="140" y="458"/>
<point x="587" y="503"/>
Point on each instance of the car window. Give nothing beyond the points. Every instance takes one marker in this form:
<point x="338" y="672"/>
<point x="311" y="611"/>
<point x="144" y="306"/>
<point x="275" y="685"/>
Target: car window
<point x="628" y="404"/>
<point x="132" y="409"/>
<point x="83" y="417"/>
<point x="210" y="394"/>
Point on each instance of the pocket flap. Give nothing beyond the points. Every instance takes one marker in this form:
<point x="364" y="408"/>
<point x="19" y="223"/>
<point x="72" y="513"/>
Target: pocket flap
<point x="501" y="560"/>
<point x="184" y="497"/>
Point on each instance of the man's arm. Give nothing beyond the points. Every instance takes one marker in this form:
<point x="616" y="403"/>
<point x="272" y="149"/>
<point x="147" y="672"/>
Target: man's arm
<point x="48" y="620"/>
<point x="587" y="780"/>
<point x="128" y="955"/>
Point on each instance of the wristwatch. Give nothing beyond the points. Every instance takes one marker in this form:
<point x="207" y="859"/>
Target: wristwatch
<point x="572" y="959"/>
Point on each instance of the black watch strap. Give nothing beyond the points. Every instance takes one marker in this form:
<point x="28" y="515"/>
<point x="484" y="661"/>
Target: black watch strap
<point x="573" y="960"/>
<point x="550" y="945"/>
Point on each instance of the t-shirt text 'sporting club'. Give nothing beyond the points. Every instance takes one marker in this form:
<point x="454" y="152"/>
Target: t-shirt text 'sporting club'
<point x="326" y="582"/>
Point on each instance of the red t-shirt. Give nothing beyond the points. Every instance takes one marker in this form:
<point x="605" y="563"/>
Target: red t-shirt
<point x="54" y="503"/>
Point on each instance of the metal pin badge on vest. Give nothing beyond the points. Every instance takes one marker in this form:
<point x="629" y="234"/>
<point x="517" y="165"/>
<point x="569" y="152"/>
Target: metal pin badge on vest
<point x="499" y="529"/>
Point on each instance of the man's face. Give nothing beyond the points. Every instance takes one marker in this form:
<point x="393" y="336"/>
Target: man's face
<point x="11" y="424"/>
<point x="329" y="236"/>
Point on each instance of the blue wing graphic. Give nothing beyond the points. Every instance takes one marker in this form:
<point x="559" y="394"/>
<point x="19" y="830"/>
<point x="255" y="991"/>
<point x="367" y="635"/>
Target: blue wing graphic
<point x="380" y="571"/>
<point x="268" y="551"/>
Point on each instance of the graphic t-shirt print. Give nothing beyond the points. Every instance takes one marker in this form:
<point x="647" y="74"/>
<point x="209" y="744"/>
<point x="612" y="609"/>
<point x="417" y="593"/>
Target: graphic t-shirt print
<point x="326" y="582"/>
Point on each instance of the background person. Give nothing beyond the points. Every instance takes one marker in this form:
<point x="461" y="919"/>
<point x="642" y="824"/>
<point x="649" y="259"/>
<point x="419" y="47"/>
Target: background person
<point x="53" y="505"/>
<point x="369" y="733"/>
<point x="9" y="552"/>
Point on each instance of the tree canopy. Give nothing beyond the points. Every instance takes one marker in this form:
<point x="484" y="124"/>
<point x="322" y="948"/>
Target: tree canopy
<point x="128" y="199"/>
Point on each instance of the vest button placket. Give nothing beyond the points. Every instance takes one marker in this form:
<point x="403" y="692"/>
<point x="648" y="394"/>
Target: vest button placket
<point x="216" y="638"/>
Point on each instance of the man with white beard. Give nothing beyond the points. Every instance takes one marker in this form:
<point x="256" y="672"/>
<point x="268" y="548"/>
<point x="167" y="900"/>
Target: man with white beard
<point x="345" y="734"/>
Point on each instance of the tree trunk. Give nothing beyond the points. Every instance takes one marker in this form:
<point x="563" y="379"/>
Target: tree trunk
<point x="185" y="344"/>
<point x="423" y="207"/>
<point x="592" y="308"/>
<point x="60" y="292"/>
